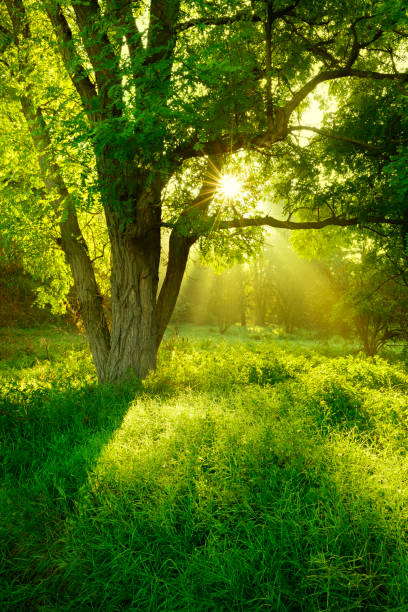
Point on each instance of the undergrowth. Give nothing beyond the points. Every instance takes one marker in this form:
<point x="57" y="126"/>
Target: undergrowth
<point x="242" y="475"/>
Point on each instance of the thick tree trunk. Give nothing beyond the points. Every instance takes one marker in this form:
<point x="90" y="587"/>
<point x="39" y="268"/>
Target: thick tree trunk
<point x="134" y="287"/>
<point x="134" y="283"/>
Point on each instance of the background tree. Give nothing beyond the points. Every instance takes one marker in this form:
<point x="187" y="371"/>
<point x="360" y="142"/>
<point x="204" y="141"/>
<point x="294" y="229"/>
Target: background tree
<point x="137" y="109"/>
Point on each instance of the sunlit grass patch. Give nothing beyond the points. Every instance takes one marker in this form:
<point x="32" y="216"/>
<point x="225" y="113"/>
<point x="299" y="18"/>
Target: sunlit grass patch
<point x="241" y="475"/>
<point x="247" y="485"/>
<point x="188" y="429"/>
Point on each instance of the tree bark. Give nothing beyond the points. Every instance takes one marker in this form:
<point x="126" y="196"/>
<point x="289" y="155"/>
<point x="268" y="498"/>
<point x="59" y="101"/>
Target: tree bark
<point x="182" y="238"/>
<point x="134" y="283"/>
<point x="72" y="243"/>
<point x="87" y="291"/>
<point x="179" y="249"/>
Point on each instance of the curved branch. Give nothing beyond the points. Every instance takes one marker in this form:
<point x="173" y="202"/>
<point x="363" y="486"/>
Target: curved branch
<point x="300" y="225"/>
<point x="239" y="16"/>
<point x="279" y="128"/>
<point x="303" y="92"/>
<point x="359" y="143"/>
<point x="217" y="21"/>
<point x="330" y="75"/>
<point x="381" y="76"/>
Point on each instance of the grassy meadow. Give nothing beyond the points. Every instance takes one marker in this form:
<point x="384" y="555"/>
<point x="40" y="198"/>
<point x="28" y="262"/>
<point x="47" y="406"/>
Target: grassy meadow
<point x="252" y="471"/>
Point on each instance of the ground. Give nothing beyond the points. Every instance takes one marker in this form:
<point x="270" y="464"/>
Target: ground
<point x="252" y="471"/>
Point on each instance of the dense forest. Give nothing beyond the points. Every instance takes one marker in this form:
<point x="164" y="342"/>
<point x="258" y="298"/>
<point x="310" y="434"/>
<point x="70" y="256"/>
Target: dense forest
<point x="203" y="304"/>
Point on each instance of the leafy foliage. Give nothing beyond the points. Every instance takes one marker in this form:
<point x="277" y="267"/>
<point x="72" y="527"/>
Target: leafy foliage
<point x="119" y="118"/>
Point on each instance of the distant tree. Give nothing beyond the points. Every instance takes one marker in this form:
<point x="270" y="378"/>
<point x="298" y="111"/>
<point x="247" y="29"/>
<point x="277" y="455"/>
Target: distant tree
<point x="373" y="300"/>
<point x="260" y="282"/>
<point x="321" y="298"/>
<point x="276" y="285"/>
<point x="289" y="300"/>
<point x="224" y="306"/>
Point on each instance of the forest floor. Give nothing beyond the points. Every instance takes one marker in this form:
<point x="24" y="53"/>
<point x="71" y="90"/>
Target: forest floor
<point x="252" y="471"/>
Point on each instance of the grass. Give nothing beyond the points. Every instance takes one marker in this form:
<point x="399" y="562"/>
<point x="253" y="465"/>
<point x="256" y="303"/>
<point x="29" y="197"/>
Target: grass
<point x="248" y="473"/>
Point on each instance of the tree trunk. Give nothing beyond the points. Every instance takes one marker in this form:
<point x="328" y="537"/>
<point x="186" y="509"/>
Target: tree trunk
<point x="242" y="302"/>
<point x="179" y="249"/>
<point x="260" y="311"/>
<point x="180" y="245"/>
<point x="134" y="282"/>
<point x="87" y="291"/>
<point x="72" y="242"/>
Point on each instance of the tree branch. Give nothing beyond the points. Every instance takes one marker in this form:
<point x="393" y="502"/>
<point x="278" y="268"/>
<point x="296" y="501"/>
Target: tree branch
<point x="400" y="33"/>
<point x="382" y="76"/>
<point x="243" y="15"/>
<point x="359" y="143"/>
<point x="180" y="243"/>
<point x="303" y="92"/>
<point x="72" y="240"/>
<point x="300" y="225"/>
<point x="279" y="129"/>
<point x="161" y="42"/>
<point x="218" y="21"/>
<point x="355" y="48"/>
<point x="101" y="54"/>
<point x="81" y="81"/>
<point x="161" y="38"/>
<point x="121" y="12"/>
<point x="268" y="61"/>
<point x="276" y="132"/>
<point x="6" y="38"/>
<point x="317" y="48"/>
<point x="329" y="75"/>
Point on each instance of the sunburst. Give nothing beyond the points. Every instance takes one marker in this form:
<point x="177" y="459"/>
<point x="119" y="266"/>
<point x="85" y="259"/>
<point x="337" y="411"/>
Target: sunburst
<point x="230" y="186"/>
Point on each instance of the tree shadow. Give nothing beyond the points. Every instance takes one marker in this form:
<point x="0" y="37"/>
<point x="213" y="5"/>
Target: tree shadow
<point x="51" y="437"/>
<point x="212" y="502"/>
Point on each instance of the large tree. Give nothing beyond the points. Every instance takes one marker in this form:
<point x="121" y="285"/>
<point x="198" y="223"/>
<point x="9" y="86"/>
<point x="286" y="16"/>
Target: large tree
<point x="144" y="104"/>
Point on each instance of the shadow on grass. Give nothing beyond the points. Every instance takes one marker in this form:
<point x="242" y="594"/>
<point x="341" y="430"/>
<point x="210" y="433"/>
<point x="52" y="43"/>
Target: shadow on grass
<point x="262" y="494"/>
<point x="210" y="502"/>
<point x="51" y="437"/>
<point x="263" y="489"/>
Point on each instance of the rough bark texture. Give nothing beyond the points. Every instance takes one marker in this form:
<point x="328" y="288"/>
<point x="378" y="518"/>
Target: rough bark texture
<point x="88" y="294"/>
<point x="134" y="282"/>
<point x="73" y="245"/>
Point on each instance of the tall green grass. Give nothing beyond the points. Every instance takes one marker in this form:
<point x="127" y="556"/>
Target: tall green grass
<point x="253" y="474"/>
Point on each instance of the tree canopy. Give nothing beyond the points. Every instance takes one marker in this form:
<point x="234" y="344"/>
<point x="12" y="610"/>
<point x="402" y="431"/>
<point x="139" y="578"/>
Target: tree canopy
<point x="119" y="120"/>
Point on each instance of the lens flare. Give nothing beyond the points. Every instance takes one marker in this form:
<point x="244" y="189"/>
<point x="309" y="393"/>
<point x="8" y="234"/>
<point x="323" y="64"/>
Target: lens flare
<point x="230" y="187"/>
